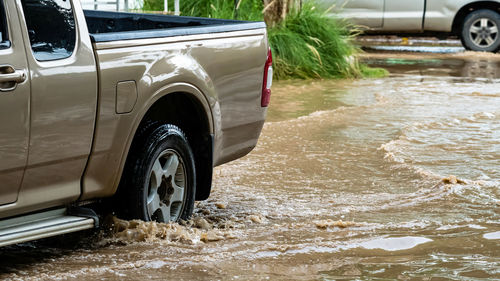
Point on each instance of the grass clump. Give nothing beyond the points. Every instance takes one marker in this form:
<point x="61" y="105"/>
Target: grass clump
<point x="309" y="44"/>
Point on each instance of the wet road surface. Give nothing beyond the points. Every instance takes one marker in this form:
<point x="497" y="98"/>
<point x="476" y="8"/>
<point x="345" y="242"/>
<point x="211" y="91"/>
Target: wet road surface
<point x="377" y="179"/>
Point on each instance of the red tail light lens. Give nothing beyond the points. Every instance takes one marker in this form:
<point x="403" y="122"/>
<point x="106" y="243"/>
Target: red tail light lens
<point x="268" y="80"/>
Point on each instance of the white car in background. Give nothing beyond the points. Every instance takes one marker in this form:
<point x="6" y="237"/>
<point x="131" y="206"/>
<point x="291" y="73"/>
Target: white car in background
<point x="475" y="22"/>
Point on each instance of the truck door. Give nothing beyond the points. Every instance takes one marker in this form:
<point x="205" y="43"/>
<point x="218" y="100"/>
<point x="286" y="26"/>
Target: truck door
<point x="63" y="99"/>
<point x="404" y="15"/>
<point x="14" y="104"/>
<point x="369" y="13"/>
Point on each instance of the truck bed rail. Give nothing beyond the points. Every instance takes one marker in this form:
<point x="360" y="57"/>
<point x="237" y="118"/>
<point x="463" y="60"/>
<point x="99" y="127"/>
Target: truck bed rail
<point x="113" y="26"/>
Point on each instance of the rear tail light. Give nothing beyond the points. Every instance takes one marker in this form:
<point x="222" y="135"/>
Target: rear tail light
<point x="268" y="80"/>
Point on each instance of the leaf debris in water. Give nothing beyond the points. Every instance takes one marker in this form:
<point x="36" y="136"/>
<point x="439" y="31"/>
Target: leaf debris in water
<point x="210" y="237"/>
<point x="220" y="206"/>
<point x="452" y="180"/>
<point x="202" y="223"/>
<point x="324" y="224"/>
<point x="255" y="218"/>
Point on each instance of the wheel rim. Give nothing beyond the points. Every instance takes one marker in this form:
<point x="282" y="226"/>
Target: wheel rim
<point x="483" y="32"/>
<point x="167" y="185"/>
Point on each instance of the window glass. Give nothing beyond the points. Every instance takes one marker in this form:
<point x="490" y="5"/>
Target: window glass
<point x="4" y="38"/>
<point x="51" y="28"/>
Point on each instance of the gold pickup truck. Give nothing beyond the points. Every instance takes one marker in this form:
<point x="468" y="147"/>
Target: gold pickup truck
<point x="134" y="107"/>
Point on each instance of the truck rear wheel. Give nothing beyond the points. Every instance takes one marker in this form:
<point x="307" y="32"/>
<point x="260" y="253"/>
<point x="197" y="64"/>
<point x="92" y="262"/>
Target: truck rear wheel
<point x="480" y="31"/>
<point x="159" y="181"/>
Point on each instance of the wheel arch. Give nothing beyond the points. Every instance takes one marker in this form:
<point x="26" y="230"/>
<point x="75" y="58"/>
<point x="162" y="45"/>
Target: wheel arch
<point x="176" y="94"/>
<point x="467" y="9"/>
<point x="185" y="106"/>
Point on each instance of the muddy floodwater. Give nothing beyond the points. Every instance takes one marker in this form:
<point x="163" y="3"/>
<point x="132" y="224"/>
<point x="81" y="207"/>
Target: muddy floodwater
<point x="376" y="179"/>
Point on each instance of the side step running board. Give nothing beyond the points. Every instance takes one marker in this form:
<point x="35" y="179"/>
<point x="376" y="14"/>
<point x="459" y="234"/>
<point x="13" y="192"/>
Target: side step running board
<point x="46" y="224"/>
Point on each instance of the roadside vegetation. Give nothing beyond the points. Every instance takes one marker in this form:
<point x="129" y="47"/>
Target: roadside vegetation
<point x="306" y="43"/>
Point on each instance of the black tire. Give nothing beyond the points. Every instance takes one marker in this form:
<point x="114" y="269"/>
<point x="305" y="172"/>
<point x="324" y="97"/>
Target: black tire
<point x="143" y="189"/>
<point x="478" y="31"/>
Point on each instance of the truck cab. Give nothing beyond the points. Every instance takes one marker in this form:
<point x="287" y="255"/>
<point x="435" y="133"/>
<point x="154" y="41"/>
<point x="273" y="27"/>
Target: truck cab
<point x="46" y="129"/>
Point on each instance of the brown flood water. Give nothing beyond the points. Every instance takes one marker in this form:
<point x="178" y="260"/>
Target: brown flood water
<point x="377" y="179"/>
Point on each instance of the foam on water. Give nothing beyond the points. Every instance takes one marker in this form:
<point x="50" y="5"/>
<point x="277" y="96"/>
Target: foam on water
<point x="492" y="235"/>
<point x="469" y="146"/>
<point x="394" y="243"/>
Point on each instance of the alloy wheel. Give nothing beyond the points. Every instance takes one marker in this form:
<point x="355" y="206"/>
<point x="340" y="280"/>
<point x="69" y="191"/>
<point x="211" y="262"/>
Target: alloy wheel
<point x="167" y="185"/>
<point x="483" y="32"/>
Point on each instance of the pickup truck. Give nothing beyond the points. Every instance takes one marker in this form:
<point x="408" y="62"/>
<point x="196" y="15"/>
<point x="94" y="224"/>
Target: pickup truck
<point x="128" y="110"/>
<point x="475" y="22"/>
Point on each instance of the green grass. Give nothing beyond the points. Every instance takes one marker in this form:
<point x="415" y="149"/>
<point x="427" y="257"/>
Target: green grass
<point x="250" y="10"/>
<point x="373" y="72"/>
<point x="153" y="5"/>
<point x="307" y="44"/>
<point x="223" y="9"/>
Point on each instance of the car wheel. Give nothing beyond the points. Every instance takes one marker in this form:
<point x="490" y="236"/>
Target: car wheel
<point x="480" y="31"/>
<point x="159" y="180"/>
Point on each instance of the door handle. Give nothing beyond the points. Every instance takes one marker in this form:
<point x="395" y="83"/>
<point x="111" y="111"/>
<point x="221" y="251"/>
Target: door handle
<point x="9" y="78"/>
<point x="16" y="77"/>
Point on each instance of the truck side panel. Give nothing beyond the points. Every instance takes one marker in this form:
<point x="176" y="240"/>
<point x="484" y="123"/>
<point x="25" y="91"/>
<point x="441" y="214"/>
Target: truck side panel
<point x="369" y="13"/>
<point x="404" y="15"/>
<point x="441" y="13"/>
<point x="222" y="71"/>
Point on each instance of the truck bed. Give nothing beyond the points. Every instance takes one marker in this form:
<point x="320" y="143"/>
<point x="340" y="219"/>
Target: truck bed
<point x="112" y="26"/>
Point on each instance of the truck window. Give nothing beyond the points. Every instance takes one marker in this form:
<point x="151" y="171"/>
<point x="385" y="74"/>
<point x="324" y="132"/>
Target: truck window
<point x="51" y="28"/>
<point x="4" y="35"/>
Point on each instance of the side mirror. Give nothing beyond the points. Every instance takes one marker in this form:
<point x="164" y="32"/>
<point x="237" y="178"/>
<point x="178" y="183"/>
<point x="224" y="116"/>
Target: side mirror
<point x="32" y="35"/>
<point x="5" y="44"/>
